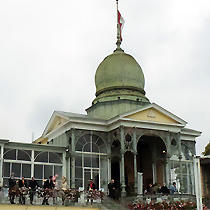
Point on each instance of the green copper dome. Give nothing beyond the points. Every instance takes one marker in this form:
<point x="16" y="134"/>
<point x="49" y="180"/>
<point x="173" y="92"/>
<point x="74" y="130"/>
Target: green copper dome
<point x="119" y="76"/>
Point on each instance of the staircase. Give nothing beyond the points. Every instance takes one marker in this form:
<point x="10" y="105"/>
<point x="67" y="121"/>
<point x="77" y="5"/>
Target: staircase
<point x="110" y="204"/>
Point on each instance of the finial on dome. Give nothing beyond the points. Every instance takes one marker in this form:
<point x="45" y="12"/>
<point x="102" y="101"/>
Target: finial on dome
<point x="118" y="43"/>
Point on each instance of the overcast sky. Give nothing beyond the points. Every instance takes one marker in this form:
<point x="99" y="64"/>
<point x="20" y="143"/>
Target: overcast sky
<point x="50" y="50"/>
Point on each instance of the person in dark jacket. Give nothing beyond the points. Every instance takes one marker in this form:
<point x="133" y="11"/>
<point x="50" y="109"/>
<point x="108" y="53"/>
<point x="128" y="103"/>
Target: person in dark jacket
<point x="22" y="185"/>
<point x="149" y="189"/>
<point x="111" y="187"/>
<point x="32" y="189"/>
<point x="164" y="189"/>
<point x="47" y="185"/>
<point x="12" y="184"/>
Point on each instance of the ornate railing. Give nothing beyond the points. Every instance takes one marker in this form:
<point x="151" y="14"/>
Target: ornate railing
<point x="59" y="197"/>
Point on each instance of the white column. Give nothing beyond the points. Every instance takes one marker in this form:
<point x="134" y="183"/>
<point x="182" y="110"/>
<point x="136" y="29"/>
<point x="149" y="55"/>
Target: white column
<point x="120" y="163"/>
<point x="1" y="164"/>
<point x="122" y="137"/>
<point x="109" y="158"/>
<point x="109" y="168"/>
<point x="73" y="158"/>
<point x="154" y="173"/>
<point x="192" y="178"/>
<point x="180" y="162"/>
<point x="123" y="171"/>
<point x="64" y="165"/>
<point x="198" y="191"/>
<point x="168" y="174"/>
<point x="168" y="163"/>
<point x="140" y="183"/>
<point x="32" y="163"/>
<point x="188" y="179"/>
<point x="68" y="171"/>
<point x="134" y="160"/>
<point x="135" y="171"/>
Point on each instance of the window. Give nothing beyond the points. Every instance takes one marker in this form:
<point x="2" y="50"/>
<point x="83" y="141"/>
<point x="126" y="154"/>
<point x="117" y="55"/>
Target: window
<point x="186" y="153"/>
<point x="10" y="154"/>
<point x="17" y="154"/>
<point x="91" y="161"/>
<point x="23" y="155"/>
<point x="19" y="162"/>
<point x="48" y="157"/>
<point x="182" y="171"/>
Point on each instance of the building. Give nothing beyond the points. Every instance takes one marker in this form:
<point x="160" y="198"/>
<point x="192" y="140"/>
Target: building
<point x="123" y="133"/>
<point x="205" y="169"/>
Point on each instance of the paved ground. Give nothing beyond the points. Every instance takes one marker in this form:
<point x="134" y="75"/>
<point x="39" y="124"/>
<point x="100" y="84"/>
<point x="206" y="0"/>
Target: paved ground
<point x="19" y="207"/>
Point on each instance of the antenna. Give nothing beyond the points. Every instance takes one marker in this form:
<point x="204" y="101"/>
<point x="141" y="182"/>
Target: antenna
<point x="32" y="136"/>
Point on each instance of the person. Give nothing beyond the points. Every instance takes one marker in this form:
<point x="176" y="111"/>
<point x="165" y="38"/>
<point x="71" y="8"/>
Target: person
<point x="154" y="188"/>
<point x="173" y="188"/>
<point x="111" y="188"/>
<point x="12" y="184"/>
<point x="64" y="187"/>
<point x="90" y="189"/>
<point x="56" y="188"/>
<point x="164" y="189"/>
<point x="48" y="184"/>
<point x="32" y="189"/>
<point x="22" y="185"/>
<point x="149" y="188"/>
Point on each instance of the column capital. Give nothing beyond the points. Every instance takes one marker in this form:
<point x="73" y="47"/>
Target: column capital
<point x="135" y="152"/>
<point x="121" y="126"/>
<point x="70" y="154"/>
<point x="122" y="151"/>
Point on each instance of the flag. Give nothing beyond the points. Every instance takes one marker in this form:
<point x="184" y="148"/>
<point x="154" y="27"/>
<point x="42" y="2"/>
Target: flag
<point x="121" y="22"/>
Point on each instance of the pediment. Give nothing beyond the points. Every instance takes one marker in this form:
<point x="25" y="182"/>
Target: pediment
<point x="154" y="113"/>
<point x="55" y="122"/>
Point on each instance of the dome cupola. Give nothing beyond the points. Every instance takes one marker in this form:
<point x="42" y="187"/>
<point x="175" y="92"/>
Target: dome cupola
<point x="119" y="76"/>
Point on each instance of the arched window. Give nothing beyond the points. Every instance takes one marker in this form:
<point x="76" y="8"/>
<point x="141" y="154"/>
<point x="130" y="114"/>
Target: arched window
<point x="47" y="164"/>
<point x="16" y="161"/>
<point x="90" y="143"/>
<point x="91" y="161"/>
<point x="48" y="157"/>
<point x="186" y="153"/>
<point x="17" y="154"/>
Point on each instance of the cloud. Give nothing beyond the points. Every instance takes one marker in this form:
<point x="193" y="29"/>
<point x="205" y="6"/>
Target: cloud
<point x="50" y="50"/>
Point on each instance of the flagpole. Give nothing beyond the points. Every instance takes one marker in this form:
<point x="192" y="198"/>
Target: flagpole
<point x="118" y="29"/>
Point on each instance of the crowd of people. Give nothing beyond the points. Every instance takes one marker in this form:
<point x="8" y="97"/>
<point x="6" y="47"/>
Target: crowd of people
<point x="158" y="189"/>
<point x="51" y="188"/>
<point x="22" y="187"/>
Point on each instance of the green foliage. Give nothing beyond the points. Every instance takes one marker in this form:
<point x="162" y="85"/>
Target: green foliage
<point x="207" y="150"/>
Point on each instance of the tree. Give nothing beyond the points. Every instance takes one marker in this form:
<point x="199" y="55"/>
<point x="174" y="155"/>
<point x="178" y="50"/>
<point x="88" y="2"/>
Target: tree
<point x="207" y="150"/>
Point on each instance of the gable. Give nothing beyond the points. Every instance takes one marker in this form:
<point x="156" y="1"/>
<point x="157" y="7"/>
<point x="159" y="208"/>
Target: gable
<point x="152" y="115"/>
<point x="56" y="123"/>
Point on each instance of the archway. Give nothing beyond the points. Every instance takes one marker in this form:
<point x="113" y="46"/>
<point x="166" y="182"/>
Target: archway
<point x="115" y="162"/>
<point x="129" y="172"/>
<point x="151" y="157"/>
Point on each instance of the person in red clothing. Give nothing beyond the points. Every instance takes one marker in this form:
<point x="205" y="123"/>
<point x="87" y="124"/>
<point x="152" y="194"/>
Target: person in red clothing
<point x="90" y="190"/>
